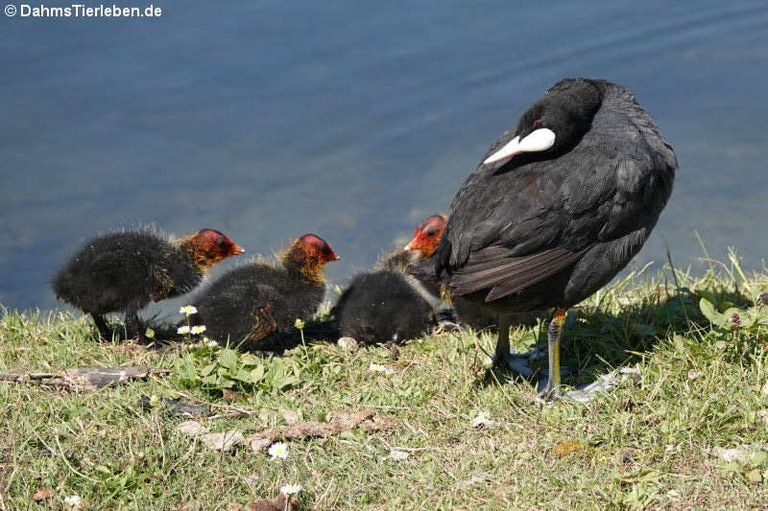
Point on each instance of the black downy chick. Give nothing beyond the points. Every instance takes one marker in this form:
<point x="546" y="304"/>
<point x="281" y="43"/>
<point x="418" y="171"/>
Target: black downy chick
<point x="124" y="271"/>
<point x="255" y="306"/>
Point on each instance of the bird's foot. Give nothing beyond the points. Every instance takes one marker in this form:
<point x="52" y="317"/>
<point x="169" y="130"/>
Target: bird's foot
<point x="548" y="395"/>
<point x="604" y="382"/>
<point x="518" y="363"/>
<point x="447" y="326"/>
<point x="446" y="319"/>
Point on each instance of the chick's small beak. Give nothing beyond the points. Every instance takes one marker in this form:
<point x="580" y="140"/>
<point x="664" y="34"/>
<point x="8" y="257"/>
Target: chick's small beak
<point x="408" y="247"/>
<point x="237" y="250"/>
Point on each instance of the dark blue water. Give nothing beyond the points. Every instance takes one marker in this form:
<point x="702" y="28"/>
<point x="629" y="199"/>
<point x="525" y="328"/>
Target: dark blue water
<point x="351" y="119"/>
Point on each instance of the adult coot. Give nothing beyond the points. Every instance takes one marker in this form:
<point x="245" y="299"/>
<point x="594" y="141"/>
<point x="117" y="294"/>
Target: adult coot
<point x="558" y="206"/>
<point x="124" y="271"/>
<point x="259" y="303"/>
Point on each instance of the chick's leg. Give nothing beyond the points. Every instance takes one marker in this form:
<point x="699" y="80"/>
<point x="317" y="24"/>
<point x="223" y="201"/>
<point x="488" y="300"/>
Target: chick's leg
<point x="133" y="325"/>
<point x="101" y="324"/>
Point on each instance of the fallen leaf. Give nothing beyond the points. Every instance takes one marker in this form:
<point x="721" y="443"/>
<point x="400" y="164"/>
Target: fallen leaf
<point x="291" y="417"/>
<point x="755" y="476"/>
<point x="42" y="494"/>
<point x="192" y="428"/>
<point x="231" y="395"/>
<point x="337" y="423"/>
<point x="738" y="454"/>
<point x="224" y="441"/>
<point x="568" y="447"/>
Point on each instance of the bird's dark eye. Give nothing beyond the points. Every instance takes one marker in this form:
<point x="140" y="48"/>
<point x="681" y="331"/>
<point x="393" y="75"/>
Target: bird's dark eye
<point x="431" y="234"/>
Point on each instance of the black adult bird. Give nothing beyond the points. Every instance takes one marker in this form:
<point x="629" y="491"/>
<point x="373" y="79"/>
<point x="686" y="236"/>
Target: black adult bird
<point x="558" y="206"/>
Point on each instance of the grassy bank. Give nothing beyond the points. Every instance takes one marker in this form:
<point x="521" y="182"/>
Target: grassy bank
<point x="692" y="433"/>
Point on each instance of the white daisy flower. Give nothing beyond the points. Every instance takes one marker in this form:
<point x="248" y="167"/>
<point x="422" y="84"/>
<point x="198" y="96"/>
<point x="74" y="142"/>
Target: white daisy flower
<point x="188" y="310"/>
<point x="290" y="489"/>
<point x="72" y="501"/>
<point x="278" y="450"/>
<point x="183" y="330"/>
<point x="380" y="368"/>
<point x="197" y="329"/>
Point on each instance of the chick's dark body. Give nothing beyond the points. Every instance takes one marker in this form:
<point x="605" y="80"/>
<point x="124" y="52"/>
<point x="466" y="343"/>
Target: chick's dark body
<point x="382" y="306"/>
<point x="238" y="303"/>
<point x="125" y="271"/>
<point x="548" y="230"/>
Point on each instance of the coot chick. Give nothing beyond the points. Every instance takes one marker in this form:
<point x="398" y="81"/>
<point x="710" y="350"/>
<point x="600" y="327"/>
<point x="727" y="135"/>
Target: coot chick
<point x="426" y="238"/>
<point x="124" y="271"/>
<point x="557" y="207"/>
<point x="383" y="307"/>
<point x="255" y="306"/>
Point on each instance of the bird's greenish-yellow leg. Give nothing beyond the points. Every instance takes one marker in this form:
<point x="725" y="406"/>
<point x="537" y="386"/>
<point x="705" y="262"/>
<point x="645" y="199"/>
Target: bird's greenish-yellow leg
<point x="555" y="330"/>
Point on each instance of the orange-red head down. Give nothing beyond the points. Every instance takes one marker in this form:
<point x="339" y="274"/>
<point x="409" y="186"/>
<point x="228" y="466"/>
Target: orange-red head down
<point x="307" y="255"/>
<point x="426" y="236"/>
<point x="210" y="246"/>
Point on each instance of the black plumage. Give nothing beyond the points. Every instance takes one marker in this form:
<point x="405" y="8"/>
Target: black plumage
<point x="124" y="271"/>
<point x="381" y="307"/>
<point x="255" y="306"/>
<point x="559" y="205"/>
<point x="426" y="239"/>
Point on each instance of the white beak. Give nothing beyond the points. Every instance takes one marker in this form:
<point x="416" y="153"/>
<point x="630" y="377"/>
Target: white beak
<point x="539" y="140"/>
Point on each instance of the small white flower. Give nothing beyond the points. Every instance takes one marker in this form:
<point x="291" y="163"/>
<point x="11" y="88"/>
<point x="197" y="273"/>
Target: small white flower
<point x="197" y="329"/>
<point x="290" y="489"/>
<point x="299" y="323"/>
<point x="278" y="450"/>
<point x="487" y="362"/>
<point x="72" y="501"/>
<point x="209" y="343"/>
<point x="380" y="368"/>
<point x="483" y="420"/>
<point x="188" y="310"/>
<point x="183" y="330"/>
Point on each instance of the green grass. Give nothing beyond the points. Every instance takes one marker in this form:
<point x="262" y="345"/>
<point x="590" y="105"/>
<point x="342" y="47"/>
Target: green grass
<point x="647" y="445"/>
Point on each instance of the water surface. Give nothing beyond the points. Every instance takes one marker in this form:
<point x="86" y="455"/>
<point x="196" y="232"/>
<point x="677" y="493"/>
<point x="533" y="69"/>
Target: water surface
<point x="353" y="120"/>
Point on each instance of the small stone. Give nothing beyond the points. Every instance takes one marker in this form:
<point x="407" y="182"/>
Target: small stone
<point x="192" y="428"/>
<point x="347" y="344"/>
<point x="398" y="455"/>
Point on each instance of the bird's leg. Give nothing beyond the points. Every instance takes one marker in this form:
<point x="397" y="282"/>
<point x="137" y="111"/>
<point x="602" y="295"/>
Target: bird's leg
<point x="445" y="313"/>
<point x="516" y="362"/>
<point x="101" y="324"/>
<point x="555" y="330"/>
<point x="501" y="354"/>
<point x="133" y="326"/>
